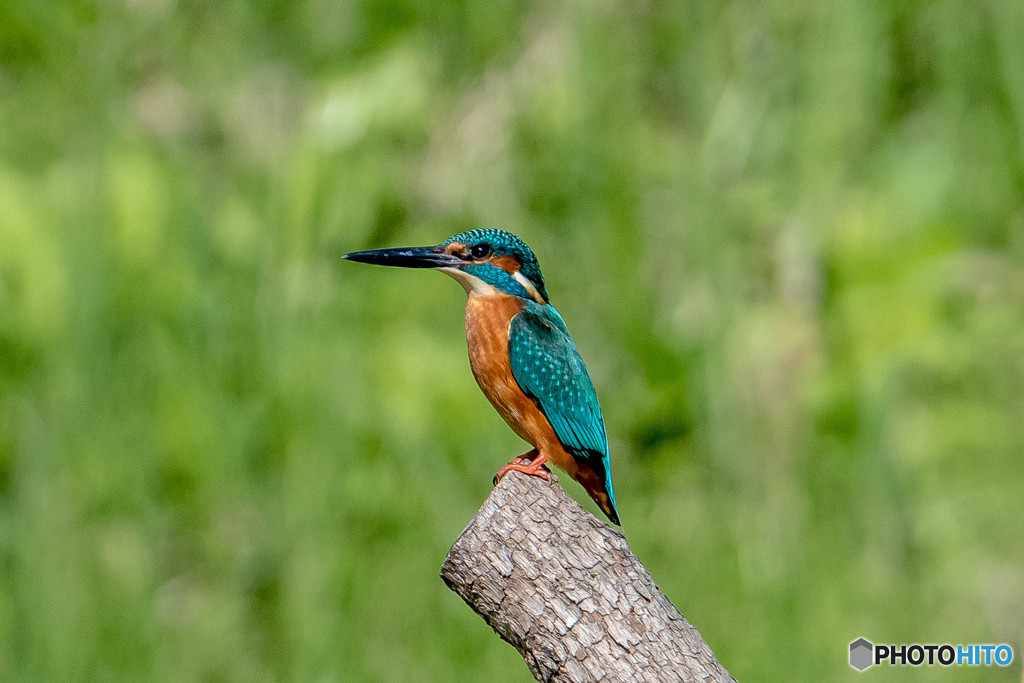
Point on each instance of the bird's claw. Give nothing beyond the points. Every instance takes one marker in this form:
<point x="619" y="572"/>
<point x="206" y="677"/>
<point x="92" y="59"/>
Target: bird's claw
<point x="530" y="463"/>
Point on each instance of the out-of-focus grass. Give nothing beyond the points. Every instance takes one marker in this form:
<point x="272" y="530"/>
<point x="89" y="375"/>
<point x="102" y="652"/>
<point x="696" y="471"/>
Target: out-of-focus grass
<point x="789" y="240"/>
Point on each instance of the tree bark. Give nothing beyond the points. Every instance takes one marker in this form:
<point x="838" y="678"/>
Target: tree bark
<point x="566" y="590"/>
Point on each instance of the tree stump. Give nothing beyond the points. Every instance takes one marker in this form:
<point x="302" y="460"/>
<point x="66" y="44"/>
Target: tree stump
<point x="566" y="591"/>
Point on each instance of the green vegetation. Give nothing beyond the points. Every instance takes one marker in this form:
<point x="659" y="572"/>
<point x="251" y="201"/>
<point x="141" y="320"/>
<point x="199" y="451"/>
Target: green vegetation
<point x="788" y="238"/>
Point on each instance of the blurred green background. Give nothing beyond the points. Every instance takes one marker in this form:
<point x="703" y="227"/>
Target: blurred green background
<point x="788" y="238"/>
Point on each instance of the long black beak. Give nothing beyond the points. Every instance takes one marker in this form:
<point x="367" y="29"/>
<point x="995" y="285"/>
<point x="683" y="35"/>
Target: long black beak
<point x="407" y="257"/>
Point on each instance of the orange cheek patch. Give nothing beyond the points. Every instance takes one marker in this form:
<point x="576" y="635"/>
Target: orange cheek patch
<point x="454" y="248"/>
<point x="507" y="263"/>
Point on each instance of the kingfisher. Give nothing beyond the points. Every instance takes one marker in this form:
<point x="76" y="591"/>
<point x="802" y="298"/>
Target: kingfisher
<point x="522" y="355"/>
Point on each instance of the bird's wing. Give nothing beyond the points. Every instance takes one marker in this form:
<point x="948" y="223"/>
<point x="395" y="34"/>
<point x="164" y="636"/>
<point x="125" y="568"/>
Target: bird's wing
<point x="549" y="369"/>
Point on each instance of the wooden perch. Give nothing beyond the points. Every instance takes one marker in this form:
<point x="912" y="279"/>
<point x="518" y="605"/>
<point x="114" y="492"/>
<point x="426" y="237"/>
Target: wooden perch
<point x="566" y="590"/>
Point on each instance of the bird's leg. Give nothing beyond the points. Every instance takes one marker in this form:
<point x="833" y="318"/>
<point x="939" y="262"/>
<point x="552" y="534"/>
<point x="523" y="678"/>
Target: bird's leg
<point x="535" y="467"/>
<point x="518" y="460"/>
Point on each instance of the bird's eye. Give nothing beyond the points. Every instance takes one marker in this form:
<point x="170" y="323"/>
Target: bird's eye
<point x="479" y="251"/>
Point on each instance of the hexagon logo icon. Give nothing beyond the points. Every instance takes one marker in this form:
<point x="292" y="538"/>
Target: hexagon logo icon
<point x="861" y="654"/>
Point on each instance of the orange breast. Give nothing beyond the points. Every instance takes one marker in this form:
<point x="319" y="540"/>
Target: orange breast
<point x="487" y="323"/>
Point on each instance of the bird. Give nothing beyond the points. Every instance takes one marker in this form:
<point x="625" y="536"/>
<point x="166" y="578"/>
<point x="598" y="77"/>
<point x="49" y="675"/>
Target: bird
<point x="522" y="355"/>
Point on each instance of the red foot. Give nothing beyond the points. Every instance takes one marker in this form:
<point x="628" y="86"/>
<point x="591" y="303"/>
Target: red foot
<point x="535" y="467"/>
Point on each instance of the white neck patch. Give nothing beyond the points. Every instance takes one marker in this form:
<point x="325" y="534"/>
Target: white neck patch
<point x="528" y="286"/>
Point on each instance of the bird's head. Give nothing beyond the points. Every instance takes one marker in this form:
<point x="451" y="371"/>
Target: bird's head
<point x="484" y="261"/>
